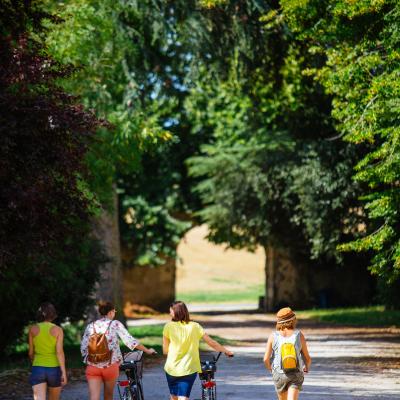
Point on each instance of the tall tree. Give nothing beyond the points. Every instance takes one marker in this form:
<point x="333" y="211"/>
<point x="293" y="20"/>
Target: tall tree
<point x="271" y="175"/>
<point x="360" y="42"/>
<point x="133" y="66"/>
<point x="46" y="206"/>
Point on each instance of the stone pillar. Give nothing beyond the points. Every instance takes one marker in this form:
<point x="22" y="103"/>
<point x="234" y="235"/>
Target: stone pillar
<point x="286" y="281"/>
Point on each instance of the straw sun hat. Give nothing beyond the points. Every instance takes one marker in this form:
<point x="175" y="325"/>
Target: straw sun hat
<point x="285" y="315"/>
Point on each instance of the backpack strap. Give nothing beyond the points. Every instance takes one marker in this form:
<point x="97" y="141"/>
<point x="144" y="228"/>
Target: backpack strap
<point x="108" y="327"/>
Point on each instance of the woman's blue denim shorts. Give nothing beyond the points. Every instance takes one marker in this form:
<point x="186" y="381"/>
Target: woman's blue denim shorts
<point x="49" y="375"/>
<point x="181" y="385"/>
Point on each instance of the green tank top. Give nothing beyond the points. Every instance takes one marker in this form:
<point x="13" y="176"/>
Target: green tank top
<point x="45" y="347"/>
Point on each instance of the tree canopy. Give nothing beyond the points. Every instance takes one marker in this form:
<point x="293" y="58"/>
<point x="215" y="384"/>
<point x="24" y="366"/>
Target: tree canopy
<point x="359" y="42"/>
<point x="46" y="206"/>
<point x="274" y="122"/>
<point x="255" y="95"/>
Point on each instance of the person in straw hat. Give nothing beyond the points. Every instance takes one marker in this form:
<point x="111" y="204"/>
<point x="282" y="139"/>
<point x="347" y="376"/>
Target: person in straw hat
<point x="287" y="356"/>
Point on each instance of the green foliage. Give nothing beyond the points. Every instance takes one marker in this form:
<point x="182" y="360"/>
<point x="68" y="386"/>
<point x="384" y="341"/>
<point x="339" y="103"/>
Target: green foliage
<point x="131" y="73"/>
<point x="46" y="207"/>
<point x="360" y="41"/>
<point x="224" y="109"/>
<point x="107" y="40"/>
<point x="150" y="231"/>
<point x="271" y="174"/>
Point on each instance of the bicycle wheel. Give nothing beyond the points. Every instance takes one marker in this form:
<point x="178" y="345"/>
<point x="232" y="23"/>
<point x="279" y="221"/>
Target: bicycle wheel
<point x="208" y="394"/>
<point x="139" y="391"/>
<point x="127" y="395"/>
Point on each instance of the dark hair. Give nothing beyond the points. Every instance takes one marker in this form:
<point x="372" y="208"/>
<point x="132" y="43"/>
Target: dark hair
<point x="105" y="307"/>
<point x="181" y="313"/>
<point x="46" y="312"/>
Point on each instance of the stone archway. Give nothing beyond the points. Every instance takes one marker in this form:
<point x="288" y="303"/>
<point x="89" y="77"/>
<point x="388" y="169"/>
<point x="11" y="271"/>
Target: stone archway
<point x="207" y="273"/>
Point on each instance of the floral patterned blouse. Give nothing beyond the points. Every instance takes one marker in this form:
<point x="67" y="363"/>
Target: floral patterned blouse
<point x="115" y="332"/>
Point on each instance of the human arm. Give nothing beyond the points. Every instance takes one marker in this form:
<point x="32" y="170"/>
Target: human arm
<point x="31" y="351"/>
<point x="165" y="345"/>
<point x="147" y="350"/>
<point x="130" y="341"/>
<point x="268" y="353"/>
<point x="305" y="354"/>
<point x="216" y="346"/>
<point x="84" y="343"/>
<point x="60" y="353"/>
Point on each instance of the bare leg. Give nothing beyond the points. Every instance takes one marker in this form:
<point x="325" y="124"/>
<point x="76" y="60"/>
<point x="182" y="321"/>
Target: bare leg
<point x="54" y="393"/>
<point x="293" y="393"/>
<point x="39" y="391"/>
<point x="95" y="388"/>
<point x="283" y="395"/>
<point x="173" y="397"/>
<point x="109" y="389"/>
<point x="182" y="398"/>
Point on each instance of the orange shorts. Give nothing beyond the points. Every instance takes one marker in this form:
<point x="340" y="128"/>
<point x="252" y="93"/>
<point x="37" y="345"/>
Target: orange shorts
<point x="109" y="373"/>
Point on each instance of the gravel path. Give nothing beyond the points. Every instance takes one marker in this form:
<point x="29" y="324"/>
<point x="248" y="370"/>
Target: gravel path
<point x="348" y="363"/>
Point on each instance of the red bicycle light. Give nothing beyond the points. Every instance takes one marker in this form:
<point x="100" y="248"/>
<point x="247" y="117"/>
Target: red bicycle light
<point x="123" y="383"/>
<point x="208" y="384"/>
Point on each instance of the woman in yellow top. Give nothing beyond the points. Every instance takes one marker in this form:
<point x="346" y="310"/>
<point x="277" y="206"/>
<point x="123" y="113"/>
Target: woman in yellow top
<point x="181" y="338"/>
<point x="47" y="355"/>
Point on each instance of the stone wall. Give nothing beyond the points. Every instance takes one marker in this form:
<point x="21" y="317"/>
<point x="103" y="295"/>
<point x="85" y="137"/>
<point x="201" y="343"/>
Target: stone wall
<point x="300" y="286"/>
<point x="147" y="285"/>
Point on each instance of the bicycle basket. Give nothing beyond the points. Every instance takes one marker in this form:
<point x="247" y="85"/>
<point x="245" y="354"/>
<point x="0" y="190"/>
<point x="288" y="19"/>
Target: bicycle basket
<point x="133" y="360"/>
<point x="208" y="366"/>
<point x="134" y="356"/>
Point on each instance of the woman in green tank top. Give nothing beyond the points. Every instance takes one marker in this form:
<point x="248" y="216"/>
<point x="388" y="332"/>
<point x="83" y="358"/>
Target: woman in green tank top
<point x="47" y="355"/>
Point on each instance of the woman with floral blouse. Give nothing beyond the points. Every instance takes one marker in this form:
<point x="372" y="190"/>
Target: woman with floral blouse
<point x="106" y="373"/>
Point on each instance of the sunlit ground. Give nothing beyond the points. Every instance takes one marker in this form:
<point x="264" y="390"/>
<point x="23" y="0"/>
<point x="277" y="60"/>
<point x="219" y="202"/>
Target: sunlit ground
<point x="207" y="273"/>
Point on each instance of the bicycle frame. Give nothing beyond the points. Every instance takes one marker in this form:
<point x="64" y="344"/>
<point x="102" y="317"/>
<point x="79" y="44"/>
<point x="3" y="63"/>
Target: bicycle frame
<point x="207" y="378"/>
<point x="131" y="387"/>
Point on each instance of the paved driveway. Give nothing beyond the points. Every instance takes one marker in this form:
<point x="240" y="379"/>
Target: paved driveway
<point x="348" y="363"/>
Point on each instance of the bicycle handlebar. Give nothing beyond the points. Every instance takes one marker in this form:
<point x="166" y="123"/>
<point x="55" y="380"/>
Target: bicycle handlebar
<point x="216" y="358"/>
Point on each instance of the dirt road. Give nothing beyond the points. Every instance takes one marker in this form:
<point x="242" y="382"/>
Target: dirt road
<point x="348" y="363"/>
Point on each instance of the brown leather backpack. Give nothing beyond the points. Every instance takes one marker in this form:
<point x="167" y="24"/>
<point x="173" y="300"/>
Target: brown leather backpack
<point x="98" y="350"/>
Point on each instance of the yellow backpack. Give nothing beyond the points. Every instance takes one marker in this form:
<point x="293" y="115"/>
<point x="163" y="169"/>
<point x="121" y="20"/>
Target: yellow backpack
<point x="288" y="357"/>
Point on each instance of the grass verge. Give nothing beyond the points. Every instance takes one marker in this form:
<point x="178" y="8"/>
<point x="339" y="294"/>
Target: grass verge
<point x="375" y="316"/>
<point x="149" y="335"/>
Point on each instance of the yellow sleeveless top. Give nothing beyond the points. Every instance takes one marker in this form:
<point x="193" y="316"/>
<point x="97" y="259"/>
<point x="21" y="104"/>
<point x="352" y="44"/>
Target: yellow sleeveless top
<point x="45" y="347"/>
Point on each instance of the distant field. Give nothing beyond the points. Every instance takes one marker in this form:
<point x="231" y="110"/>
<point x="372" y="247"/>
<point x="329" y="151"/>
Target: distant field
<point x="246" y="294"/>
<point x="207" y="273"/>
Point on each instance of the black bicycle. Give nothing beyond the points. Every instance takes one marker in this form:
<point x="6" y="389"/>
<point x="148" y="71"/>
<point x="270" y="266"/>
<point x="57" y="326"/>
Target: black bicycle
<point x="131" y="388"/>
<point x="207" y="378"/>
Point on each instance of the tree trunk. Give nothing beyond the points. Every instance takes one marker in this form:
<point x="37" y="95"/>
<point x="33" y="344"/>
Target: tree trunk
<point x="109" y="285"/>
<point x="269" y="299"/>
